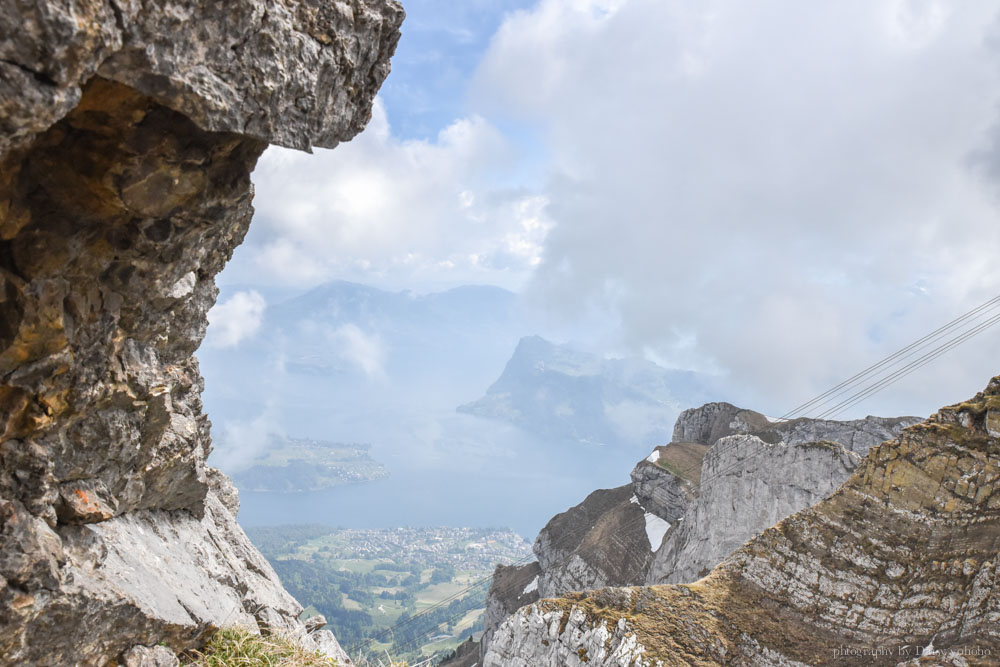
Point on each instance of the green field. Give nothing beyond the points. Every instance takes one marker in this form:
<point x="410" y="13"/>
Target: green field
<point x="433" y="581"/>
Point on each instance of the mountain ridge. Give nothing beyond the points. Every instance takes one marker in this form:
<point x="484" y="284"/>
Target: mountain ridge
<point x="556" y="390"/>
<point x="690" y="503"/>
<point x="899" y="558"/>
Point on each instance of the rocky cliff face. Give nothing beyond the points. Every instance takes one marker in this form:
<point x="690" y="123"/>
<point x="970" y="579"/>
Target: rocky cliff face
<point x="747" y="485"/>
<point x="127" y="135"/>
<point x="713" y="421"/>
<point x="512" y="587"/>
<point x="693" y="502"/>
<point x="666" y="482"/>
<point x="899" y="562"/>
<point x="600" y="542"/>
<point x="607" y="540"/>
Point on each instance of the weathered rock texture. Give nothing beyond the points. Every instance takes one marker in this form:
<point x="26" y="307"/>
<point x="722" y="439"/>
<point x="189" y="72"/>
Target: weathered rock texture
<point x="600" y="542"/>
<point x="713" y="421"/>
<point x="712" y="492"/>
<point x="902" y="559"/>
<point x="747" y="485"/>
<point x="552" y="637"/>
<point x="128" y="132"/>
<point x="667" y="481"/>
<point x="512" y="587"/>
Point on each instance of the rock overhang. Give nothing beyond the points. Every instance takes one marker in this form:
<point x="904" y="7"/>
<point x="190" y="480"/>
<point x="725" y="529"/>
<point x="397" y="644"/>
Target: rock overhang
<point x="128" y="131"/>
<point x="295" y="73"/>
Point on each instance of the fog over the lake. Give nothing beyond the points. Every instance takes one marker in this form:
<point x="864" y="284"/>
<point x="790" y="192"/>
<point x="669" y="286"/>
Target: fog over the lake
<point x="774" y="195"/>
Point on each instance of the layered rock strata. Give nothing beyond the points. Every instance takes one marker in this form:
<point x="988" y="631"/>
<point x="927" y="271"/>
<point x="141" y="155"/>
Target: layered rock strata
<point x="666" y="482"/>
<point x="512" y="587"/>
<point x="694" y="501"/>
<point x="128" y="132"/>
<point x="714" y="421"/>
<point x="899" y="562"/>
<point x="747" y="485"/>
<point x="600" y="542"/>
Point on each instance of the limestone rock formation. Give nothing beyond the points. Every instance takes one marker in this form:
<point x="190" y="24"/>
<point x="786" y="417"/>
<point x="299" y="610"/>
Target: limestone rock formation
<point x="703" y="498"/>
<point x="466" y="655"/>
<point x="128" y="132"/>
<point x="694" y="501"/>
<point x="607" y="540"/>
<point x="551" y="637"/>
<point x="666" y="482"/>
<point x="900" y="562"/>
<point x="600" y="542"/>
<point x="713" y="421"/>
<point x="747" y="485"/>
<point x="512" y="587"/>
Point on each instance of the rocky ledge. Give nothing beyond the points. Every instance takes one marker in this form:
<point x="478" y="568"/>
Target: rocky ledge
<point x="128" y="132"/>
<point x="896" y="567"/>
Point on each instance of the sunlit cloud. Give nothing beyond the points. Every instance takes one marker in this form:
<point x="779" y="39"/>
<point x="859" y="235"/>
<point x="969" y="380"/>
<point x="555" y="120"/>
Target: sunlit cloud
<point x="235" y="319"/>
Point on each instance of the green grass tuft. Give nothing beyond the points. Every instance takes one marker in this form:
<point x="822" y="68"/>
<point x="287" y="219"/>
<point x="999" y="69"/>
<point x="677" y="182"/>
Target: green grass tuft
<point x="239" y="647"/>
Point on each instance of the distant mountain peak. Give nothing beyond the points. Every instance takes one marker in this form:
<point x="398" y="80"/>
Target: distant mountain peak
<point x="558" y="391"/>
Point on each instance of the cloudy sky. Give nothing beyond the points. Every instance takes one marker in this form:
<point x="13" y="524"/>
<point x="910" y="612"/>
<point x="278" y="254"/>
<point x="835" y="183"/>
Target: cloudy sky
<point x="779" y="192"/>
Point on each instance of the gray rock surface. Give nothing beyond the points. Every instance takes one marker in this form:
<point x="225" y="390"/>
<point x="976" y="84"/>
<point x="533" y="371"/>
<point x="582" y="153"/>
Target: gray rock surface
<point x="540" y="637"/>
<point x="510" y="589"/>
<point x="747" y="485"/>
<point x="600" y="542"/>
<point x="294" y="73"/>
<point x="567" y="635"/>
<point x="663" y="492"/>
<point x="900" y="558"/>
<point x="712" y="421"/>
<point x="856" y="435"/>
<point x="153" y="576"/>
<point x="150" y="656"/>
<point x="717" y="487"/>
<point x="128" y="132"/>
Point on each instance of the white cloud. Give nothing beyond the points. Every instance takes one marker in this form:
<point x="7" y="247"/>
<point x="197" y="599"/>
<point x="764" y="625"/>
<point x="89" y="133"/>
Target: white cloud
<point x="779" y="189"/>
<point x="240" y="442"/>
<point x="362" y="350"/>
<point x="236" y="319"/>
<point x="401" y="213"/>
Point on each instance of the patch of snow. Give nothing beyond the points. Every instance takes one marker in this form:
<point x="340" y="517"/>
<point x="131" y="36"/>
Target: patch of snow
<point x="656" y="528"/>
<point x="654" y="457"/>
<point x="533" y="586"/>
<point x="775" y="420"/>
<point x="634" y="500"/>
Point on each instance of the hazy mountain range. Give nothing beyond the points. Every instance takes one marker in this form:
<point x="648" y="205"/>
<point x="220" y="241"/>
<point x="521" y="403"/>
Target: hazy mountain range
<point x="560" y="392"/>
<point x="352" y="363"/>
